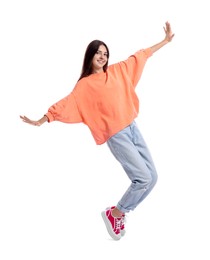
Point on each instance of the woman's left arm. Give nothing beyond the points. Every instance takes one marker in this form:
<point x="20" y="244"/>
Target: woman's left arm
<point x="168" y="38"/>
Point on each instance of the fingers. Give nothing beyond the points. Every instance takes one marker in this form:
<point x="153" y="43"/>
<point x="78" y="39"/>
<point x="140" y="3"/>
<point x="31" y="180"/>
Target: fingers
<point x="25" y="119"/>
<point x="172" y="36"/>
<point x="29" y="121"/>
<point x="168" y="31"/>
<point x="164" y="29"/>
<point x="167" y="27"/>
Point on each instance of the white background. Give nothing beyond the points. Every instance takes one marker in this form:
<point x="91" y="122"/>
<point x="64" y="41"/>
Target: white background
<point x="54" y="180"/>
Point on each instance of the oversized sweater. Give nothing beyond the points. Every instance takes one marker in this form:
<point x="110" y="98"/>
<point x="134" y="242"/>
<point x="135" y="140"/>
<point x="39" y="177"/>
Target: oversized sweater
<point x="106" y="102"/>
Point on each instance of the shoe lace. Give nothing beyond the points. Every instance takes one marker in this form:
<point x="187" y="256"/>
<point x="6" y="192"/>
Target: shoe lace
<point x="118" y="223"/>
<point x="123" y="219"/>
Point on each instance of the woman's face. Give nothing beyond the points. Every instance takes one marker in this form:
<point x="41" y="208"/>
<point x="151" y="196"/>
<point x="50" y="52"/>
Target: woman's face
<point x="99" y="59"/>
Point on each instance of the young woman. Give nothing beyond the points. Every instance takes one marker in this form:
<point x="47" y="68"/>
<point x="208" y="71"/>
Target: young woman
<point x="104" y="99"/>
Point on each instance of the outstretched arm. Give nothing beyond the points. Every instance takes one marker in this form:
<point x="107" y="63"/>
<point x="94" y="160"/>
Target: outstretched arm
<point x="65" y="110"/>
<point x="35" y="123"/>
<point x="168" y="38"/>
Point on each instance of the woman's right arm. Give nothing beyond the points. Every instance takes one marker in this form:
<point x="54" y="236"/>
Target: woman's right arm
<point x="35" y="123"/>
<point x="65" y="110"/>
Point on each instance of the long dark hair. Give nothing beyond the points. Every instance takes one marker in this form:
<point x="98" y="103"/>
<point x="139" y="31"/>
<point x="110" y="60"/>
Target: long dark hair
<point x="91" y="50"/>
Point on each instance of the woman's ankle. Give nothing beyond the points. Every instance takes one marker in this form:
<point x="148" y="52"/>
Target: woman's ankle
<point x="117" y="213"/>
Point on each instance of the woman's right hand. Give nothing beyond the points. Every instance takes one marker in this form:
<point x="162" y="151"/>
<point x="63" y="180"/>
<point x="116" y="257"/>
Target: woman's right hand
<point x="32" y="122"/>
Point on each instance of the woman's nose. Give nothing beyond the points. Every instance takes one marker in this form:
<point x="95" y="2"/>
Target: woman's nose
<point x="102" y="56"/>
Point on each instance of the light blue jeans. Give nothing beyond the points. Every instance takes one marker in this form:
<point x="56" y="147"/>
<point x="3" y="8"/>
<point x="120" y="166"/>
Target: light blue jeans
<point x="130" y="149"/>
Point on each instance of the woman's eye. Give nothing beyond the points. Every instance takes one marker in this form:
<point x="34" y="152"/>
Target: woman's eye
<point x="99" y="52"/>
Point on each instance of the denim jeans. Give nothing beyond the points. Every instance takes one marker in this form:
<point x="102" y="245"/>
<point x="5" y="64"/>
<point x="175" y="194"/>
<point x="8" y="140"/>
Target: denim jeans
<point x="130" y="149"/>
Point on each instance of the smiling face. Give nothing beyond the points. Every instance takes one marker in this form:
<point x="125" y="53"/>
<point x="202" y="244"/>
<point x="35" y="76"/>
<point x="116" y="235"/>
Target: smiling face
<point x="99" y="59"/>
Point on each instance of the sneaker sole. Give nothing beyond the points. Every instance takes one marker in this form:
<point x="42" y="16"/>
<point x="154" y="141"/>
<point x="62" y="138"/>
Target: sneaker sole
<point x="122" y="232"/>
<point x="109" y="227"/>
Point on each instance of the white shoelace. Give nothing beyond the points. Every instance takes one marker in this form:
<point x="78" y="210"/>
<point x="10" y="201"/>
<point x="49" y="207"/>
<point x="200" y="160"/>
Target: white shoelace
<point x="123" y="219"/>
<point x="117" y="223"/>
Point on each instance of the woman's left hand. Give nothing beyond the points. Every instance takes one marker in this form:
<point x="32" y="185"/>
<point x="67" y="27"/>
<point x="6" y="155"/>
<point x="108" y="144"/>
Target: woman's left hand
<point x="169" y="35"/>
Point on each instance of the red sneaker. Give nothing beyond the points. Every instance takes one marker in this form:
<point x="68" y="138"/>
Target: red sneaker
<point x="122" y="223"/>
<point x="112" y="224"/>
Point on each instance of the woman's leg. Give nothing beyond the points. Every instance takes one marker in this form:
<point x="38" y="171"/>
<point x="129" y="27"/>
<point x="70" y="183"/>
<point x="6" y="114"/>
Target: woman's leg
<point x="145" y="153"/>
<point x="130" y="149"/>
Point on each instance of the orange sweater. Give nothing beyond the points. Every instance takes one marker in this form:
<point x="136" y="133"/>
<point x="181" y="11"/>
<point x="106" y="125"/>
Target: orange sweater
<point x="106" y="102"/>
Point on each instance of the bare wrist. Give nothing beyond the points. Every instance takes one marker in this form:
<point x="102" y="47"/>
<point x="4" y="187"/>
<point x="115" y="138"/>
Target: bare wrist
<point x="166" y="41"/>
<point x="43" y="120"/>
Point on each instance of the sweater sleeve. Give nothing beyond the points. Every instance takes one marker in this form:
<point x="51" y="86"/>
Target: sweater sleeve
<point x="134" y="65"/>
<point x="65" y="110"/>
